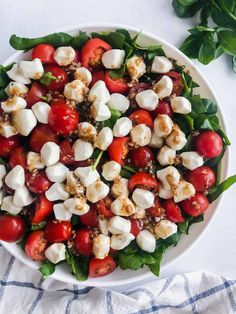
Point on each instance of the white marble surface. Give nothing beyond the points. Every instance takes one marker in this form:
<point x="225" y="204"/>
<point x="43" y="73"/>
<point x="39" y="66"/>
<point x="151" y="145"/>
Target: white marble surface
<point x="216" y="250"/>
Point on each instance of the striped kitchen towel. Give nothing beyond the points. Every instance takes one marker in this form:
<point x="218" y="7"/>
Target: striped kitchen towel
<point x="23" y="291"/>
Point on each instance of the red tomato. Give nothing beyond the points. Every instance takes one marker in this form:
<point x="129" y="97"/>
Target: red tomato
<point x="178" y="85"/>
<point x="37" y="181"/>
<point x="196" y="205"/>
<point x="104" y="207"/>
<point x="66" y="154"/>
<point x="143" y="180"/>
<point x="35" y="94"/>
<point x="63" y="119"/>
<point x="101" y="267"/>
<point x="43" y="208"/>
<point x="58" y="231"/>
<point x="172" y="210"/>
<point x="118" y="149"/>
<point x="136" y="226"/>
<point x="97" y="76"/>
<point x="41" y="135"/>
<point x="77" y="56"/>
<point x="116" y="85"/>
<point x="156" y="209"/>
<point x="83" y="242"/>
<point x="163" y="107"/>
<point x="202" y="178"/>
<point x="8" y="145"/>
<point x="141" y="116"/>
<point x="208" y="144"/>
<point x="92" y="51"/>
<point x="62" y="77"/>
<point x="12" y="228"/>
<point x="141" y="156"/>
<point x="35" y="245"/>
<point x="90" y="219"/>
<point x="44" y="52"/>
<point x="18" y="157"/>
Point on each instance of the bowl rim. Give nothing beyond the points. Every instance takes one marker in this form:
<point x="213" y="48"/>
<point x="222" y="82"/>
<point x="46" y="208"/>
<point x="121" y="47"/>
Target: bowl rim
<point x="147" y="274"/>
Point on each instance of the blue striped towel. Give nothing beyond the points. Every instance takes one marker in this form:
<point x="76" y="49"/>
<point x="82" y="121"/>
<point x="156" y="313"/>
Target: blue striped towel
<point x="195" y="292"/>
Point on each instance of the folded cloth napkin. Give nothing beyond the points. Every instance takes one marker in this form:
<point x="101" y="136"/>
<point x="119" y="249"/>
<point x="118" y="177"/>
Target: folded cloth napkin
<point x="196" y="292"/>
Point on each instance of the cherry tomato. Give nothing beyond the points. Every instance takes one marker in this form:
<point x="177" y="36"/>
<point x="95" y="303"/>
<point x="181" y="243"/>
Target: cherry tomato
<point x="63" y="119"/>
<point x="90" y="219"/>
<point x="62" y="77"/>
<point x="83" y="242"/>
<point x="12" y="228"/>
<point x="178" y="85"/>
<point x="136" y="226"/>
<point x="156" y="209"/>
<point x="196" y="205"/>
<point x="35" y="245"/>
<point x="37" y="181"/>
<point x="141" y="116"/>
<point x="92" y="51"/>
<point x="8" y="145"/>
<point x="41" y="135"/>
<point x="208" y="144"/>
<point x="141" y="156"/>
<point x="66" y="154"/>
<point x="137" y="88"/>
<point x="77" y="56"/>
<point x="143" y="180"/>
<point x="58" y="231"/>
<point x="101" y="267"/>
<point x="44" y="52"/>
<point x="18" y="157"/>
<point x="118" y="149"/>
<point x="163" y="107"/>
<point x="116" y="85"/>
<point x="172" y="210"/>
<point x="97" y="76"/>
<point x="104" y="207"/>
<point x="202" y="178"/>
<point x="35" y="94"/>
<point x="43" y="208"/>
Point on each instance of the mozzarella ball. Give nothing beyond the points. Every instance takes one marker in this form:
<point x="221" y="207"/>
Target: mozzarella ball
<point x="22" y="197"/>
<point x="13" y="103"/>
<point x="61" y="213"/>
<point x="8" y="206"/>
<point x="191" y="160"/>
<point x="118" y="102"/>
<point x="139" y="213"/>
<point x="181" y="105"/>
<point x="57" y="192"/>
<point x="122" y="206"/>
<point x="166" y="156"/>
<point x="99" y="111"/>
<point x="56" y="252"/>
<point x="87" y="132"/>
<point x="104" y="138"/>
<point x="177" y="139"/>
<point x="82" y="150"/>
<point x="57" y="172"/>
<point x="161" y="64"/>
<point x="41" y="111"/>
<point x="113" y="59"/>
<point x="99" y="92"/>
<point x="101" y="246"/>
<point x="73" y="184"/>
<point x="182" y="191"/>
<point x="163" y="125"/>
<point x="64" y="56"/>
<point x="165" y="229"/>
<point x="146" y="241"/>
<point x="156" y="141"/>
<point x="143" y="198"/>
<point x="169" y="176"/>
<point x="110" y="170"/>
<point x="76" y="90"/>
<point x="103" y="225"/>
<point x="122" y="127"/>
<point x="7" y="130"/>
<point x="50" y="153"/>
<point x="87" y="175"/>
<point x="147" y="99"/>
<point x="164" y="193"/>
<point x="77" y="205"/>
<point x="83" y="75"/>
<point x="96" y="191"/>
<point x="119" y="225"/>
<point x="31" y="69"/>
<point x="120" y="241"/>
<point x="164" y="87"/>
<point x="136" y="67"/>
<point x="15" y="178"/>
<point x="141" y="135"/>
<point x="24" y="121"/>
<point x="120" y="187"/>
<point x="16" y="76"/>
<point x="16" y="89"/>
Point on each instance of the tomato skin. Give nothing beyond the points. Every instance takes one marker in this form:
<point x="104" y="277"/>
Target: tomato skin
<point x="118" y="149"/>
<point x="66" y="154"/>
<point x="208" y="144"/>
<point x="44" y="52"/>
<point x="196" y="205"/>
<point x="35" y="245"/>
<point x="83" y="243"/>
<point x="141" y="156"/>
<point x="43" y="208"/>
<point x="178" y="85"/>
<point x="97" y="76"/>
<point x="116" y="85"/>
<point x="35" y="94"/>
<point x="12" y="228"/>
<point x="77" y="56"/>
<point x="202" y="178"/>
<point x="58" y="231"/>
<point x="141" y="116"/>
<point x="101" y="267"/>
<point x="41" y="135"/>
<point x="90" y="219"/>
<point x="62" y="77"/>
<point x="163" y="107"/>
<point x="104" y="207"/>
<point x="37" y="182"/>
<point x="8" y="145"/>
<point x="156" y="209"/>
<point x="172" y="211"/>
<point x="136" y="226"/>
<point x="143" y="179"/>
<point x="18" y="157"/>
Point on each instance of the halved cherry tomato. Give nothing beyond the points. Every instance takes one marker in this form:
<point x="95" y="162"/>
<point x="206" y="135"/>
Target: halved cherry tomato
<point x="90" y="219"/>
<point x="163" y="107"/>
<point x="143" y="180"/>
<point x="83" y="242"/>
<point x="18" y="157"/>
<point x="202" y="178"/>
<point x="172" y="211"/>
<point x="11" y="228"/>
<point x="141" y="116"/>
<point x="156" y="209"/>
<point x="37" y="181"/>
<point x="104" y="207"/>
<point x="62" y="77"/>
<point x="141" y="156"/>
<point x="136" y="226"/>
<point x="58" y="231"/>
<point x="97" y="76"/>
<point x="116" y="85"/>
<point x="208" y="144"/>
<point x="178" y="85"/>
<point x="7" y="145"/>
<point x="118" y="149"/>
<point x="44" y="52"/>
<point x="35" y="94"/>
<point x="101" y="267"/>
<point x="43" y="208"/>
<point x="92" y="51"/>
<point x="66" y="153"/>
<point x="63" y="119"/>
<point x="35" y="245"/>
<point x="196" y="205"/>
<point x="77" y="56"/>
<point x="41" y="135"/>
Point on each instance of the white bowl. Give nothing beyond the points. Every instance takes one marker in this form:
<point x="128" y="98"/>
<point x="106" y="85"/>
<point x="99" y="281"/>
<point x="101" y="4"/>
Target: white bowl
<point x="121" y="277"/>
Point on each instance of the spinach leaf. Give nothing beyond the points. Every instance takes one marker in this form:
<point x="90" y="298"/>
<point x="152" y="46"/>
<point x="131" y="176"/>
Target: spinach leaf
<point x="187" y="2"/>
<point x="210" y="106"/>
<point x="234" y="63"/>
<point x="191" y="46"/>
<point x="4" y="79"/>
<point x="3" y="94"/>
<point x="38" y="226"/>
<point x="130" y="260"/>
<point x="115" y="39"/>
<point x="158" y="254"/>
<point x="79" y="265"/>
<point x="115" y="115"/>
<point x="184" y="226"/>
<point x="207" y="50"/>
<point x="47" y="78"/>
<point x="186" y="10"/>
<point x="219" y="189"/>
<point x="47" y="268"/>
<point x="79" y="40"/>
<point x="227" y="40"/>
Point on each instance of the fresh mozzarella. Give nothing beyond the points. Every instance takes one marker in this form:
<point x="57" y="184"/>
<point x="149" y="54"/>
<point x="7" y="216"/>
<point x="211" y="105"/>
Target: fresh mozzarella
<point x="181" y="104"/>
<point x="119" y="225"/>
<point x="8" y="206"/>
<point x="61" y="213"/>
<point x="122" y="127"/>
<point x="118" y="102"/>
<point x="182" y="191"/>
<point x="16" y="76"/>
<point x="73" y="184"/>
<point x="110" y="170"/>
<point x="120" y="187"/>
<point x="104" y="138"/>
<point x="1" y="196"/>
<point x="120" y="241"/>
<point x="101" y="246"/>
<point x="64" y="55"/>
<point x="56" y="252"/>
<point x="146" y="241"/>
<point x="141" y="135"/>
<point x="31" y="69"/>
<point x="77" y="205"/>
<point x="76" y="90"/>
<point x="143" y="198"/>
<point x="97" y="191"/>
<point x="22" y="197"/>
<point x="24" y="121"/>
<point x="83" y="75"/>
<point x="57" y="172"/>
<point x="103" y="225"/>
<point x="57" y="192"/>
<point x="163" y="125"/>
<point x="113" y="59"/>
<point x="99" y="92"/>
<point x="99" y="111"/>
<point x="169" y="176"/>
<point x="164" y="193"/>
<point x="87" y="132"/>
<point x="191" y="160"/>
<point x="15" y="178"/>
<point x="13" y="103"/>
<point x="87" y="175"/>
<point x="165" y="229"/>
<point x="177" y="139"/>
<point x="41" y="111"/>
<point x="82" y="150"/>
<point x="7" y="130"/>
<point x="136" y="67"/>
<point x="16" y="89"/>
<point x="166" y="156"/>
<point x="156" y="141"/>
<point x="147" y="99"/>
<point x="122" y="206"/>
<point x="139" y="213"/>
<point x="161" y="64"/>
<point x="50" y="153"/>
<point x="164" y="87"/>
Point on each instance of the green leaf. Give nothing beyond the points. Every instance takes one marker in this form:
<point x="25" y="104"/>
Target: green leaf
<point x="210" y="106"/>
<point x="79" y="265"/>
<point x="39" y="226"/>
<point x="222" y="18"/>
<point x="209" y="122"/>
<point x="186" y="11"/>
<point x="184" y="226"/>
<point x="79" y="40"/>
<point x="4" y="79"/>
<point x="227" y="40"/>
<point x="187" y="2"/>
<point x="129" y="168"/>
<point x="224" y="137"/>
<point x="97" y="161"/>
<point x="190" y="47"/>
<point x="212" y="163"/>
<point x="47" y="78"/>
<point x="47" y="268"/>
<point x="125" y="173"/>
<point x="207" y="50"/>
<point x="130" y="261"/>
<point x="155" y="267"/>
<point x="219" y="189"/>
<point x="234" y="63"/>
<point x="115" y="115"/>
<point x="3" y="94"/>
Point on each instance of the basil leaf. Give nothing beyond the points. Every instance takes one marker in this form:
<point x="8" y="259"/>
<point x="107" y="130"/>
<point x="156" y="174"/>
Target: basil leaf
<point x="209" y="122"/>
<point x="191" y="46"/>
<point x="3" y="94"/>
<point x="47" y="268"/>
<point x="234" y="63"/>
<point x="222" y="18"/>
<point x="219" y="189"/>
<point x="227" y="40"/>
<point x="79" y="40"/>
<point x="158" y="254"/>
<point x="210" y="106"/>
<point x="187" y="2"/>
<point x="207" y="50"/>
<point x="47" y="78"/>
<point x="130" y="261"/>
<point x="186" y="11"/>
<point x="184" y="226"/>
<point x="79" y="265"/>
<point x="115" y="115"/>
<point x="4" y="79"/>
<point x="115" y="39"/>
<point x="38" y="226"/>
